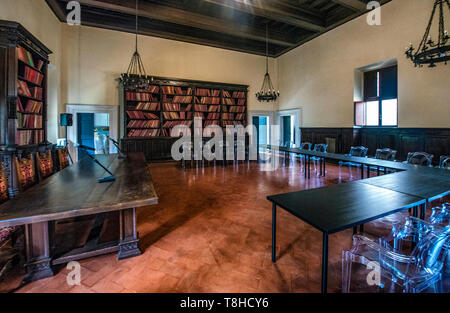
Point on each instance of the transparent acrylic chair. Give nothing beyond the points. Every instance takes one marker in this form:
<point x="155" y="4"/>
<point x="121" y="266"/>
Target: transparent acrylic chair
<point x="316" y="160"/>
<point x="304" y="146"/>
<point x="385" y="154"/>
<point x="444" y="162"/>
<point x="419" y="158"/>
<point x="420" y="271"/>
<point x="354" y="152"/>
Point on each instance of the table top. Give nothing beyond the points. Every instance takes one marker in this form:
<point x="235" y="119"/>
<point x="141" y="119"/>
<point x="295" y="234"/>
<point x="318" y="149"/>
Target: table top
<point x="339" y="207"/>
<point x="410" y="182"/>
<point x="75" y="191"/>
<point x="347" y="158"/>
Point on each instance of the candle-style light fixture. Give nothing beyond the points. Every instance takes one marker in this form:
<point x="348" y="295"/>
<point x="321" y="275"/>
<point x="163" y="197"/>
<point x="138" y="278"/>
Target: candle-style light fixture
<point x="431" y="52"/>
<point x="267" y="92"/>
<point x="136" y="77"/>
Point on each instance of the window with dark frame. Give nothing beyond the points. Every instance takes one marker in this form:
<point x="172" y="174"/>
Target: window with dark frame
<point x="380" y="105"/>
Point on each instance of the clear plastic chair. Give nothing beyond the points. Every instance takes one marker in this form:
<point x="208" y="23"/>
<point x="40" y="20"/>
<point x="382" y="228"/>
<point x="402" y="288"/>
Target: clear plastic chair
<point x="416" y="272"/>
<point x="419" y="158"/>
<point x="304" y="146"/>
<point x="444" y="162"/>
<point x="318" y="148"/>
<point x="385" y="154"/>
<point x="440" y="215"/>
<point x="354" y="152"/>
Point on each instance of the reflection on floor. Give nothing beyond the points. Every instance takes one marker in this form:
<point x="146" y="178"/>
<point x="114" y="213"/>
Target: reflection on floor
<point x="211" y="232"/>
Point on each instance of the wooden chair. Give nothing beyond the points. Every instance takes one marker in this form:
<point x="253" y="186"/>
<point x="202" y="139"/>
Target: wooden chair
<point x="44" y="162"/>
<point x="26" y="172"/>
<point x="63" y="158"/>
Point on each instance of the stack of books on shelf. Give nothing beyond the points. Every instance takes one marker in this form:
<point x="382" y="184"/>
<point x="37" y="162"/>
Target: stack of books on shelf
<point x="144" y="132"/>
<point x="28" y="137"/>
<point x="144" y="124"/>
<point x="147" y="106"/>
<point x="32" y="76"/>
<point x="139" y="96"/>
<point x="26" y="57"/>
<point x="234" y="102"/>
<point x="29" y="121"/>
<point x="30" y="92"/>
<point x="177" y="108"/>
<point x="139" y="115"/>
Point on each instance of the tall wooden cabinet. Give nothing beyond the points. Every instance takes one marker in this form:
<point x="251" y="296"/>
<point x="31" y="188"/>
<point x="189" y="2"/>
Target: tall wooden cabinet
<point x="23" y="95"/>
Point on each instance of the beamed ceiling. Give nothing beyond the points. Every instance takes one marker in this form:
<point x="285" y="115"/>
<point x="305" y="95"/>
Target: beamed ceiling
<point x="230" y="24"/>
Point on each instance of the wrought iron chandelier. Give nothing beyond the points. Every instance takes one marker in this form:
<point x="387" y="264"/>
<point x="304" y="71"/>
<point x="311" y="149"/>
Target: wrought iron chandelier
<point x="429" y="51"/>
<point x="267" y="92"/>
<point x="136" y="77"/>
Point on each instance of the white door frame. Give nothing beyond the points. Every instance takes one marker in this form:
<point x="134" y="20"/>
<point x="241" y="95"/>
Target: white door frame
<point x="297" y="113"/>
<point x="72" y="131"/>
<point x="271" y="115"/>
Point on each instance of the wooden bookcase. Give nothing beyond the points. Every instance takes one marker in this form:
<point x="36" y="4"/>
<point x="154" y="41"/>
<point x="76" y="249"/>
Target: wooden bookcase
<point x="174" y="102"/>
<point x="23" y="95"/>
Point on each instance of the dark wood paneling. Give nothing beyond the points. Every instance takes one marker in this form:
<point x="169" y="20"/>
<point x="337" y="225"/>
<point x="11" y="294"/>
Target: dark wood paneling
<point x="431" y="140"/>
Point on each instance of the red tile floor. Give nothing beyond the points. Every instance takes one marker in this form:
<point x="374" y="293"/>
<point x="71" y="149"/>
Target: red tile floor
<point x="211" y="232"/>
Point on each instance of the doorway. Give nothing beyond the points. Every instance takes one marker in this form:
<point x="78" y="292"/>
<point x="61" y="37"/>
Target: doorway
<point x="262" y="122"/>
<point x="91" y="126"/>
<point x="290" y="124"/>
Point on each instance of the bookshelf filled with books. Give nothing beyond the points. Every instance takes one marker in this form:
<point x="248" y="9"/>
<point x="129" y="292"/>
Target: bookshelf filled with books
<point x="26" y="93"/>
<point x="150" y="116"/>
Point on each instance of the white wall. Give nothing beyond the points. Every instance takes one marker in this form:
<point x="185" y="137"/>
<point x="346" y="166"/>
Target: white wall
<point x="319" y="76"/>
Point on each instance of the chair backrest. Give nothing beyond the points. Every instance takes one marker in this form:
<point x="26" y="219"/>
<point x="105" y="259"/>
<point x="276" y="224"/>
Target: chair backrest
<point x="385" y="154"/>
<point x="44" y="162"/>
<point x="431" y="252"/>
<point x="63" y="158"/>
<point x="358" y="151"/>
<point x="25" y="171"/>
<point x="321" y="147"/>
<point x="440" y="215"/>
<point x="419" y="158"/>
<point x="4" y="195"/>
<point x="306" y="146"/>
<point x="444" y="162"/>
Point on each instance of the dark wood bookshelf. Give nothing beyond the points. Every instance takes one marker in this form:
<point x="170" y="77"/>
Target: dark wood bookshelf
<point x="158" y="147"/>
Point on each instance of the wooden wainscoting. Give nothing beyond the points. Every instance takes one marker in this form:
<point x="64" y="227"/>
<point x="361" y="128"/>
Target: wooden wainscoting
<point x="432" y="140"/>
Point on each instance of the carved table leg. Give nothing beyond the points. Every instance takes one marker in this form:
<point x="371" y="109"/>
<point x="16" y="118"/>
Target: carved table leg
<point x="38" y="252"/>
<point x="128" y="245"/>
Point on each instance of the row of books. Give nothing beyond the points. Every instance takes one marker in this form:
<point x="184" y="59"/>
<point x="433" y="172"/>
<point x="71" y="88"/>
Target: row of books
<point x="178" y="99"/>
<point x="177" y="115"/>
<point x="171" y="124"/>
<point x="139" y="115"/>
<point x="150" y="89"/>
<point x="144" y="133"/>
<point x="140" y="96"/>
<point x="213" y="116"/>
<point x="148" y="106"/>
<point x="202" y="92"/>
<point x="29" y="121"/>
<point x="33" y="76"/>
<point x="26" y="57"/>
<point x="24" y="90"/>
<point x="201" y="108"/>
<point x="28" y="137"/>
<point x="237" y="109"/>
<point x="207" y="100"/>
<point x="232" y="123"/>
<point x="172" y="90"/>
<point x="211" y="123"/>
<point x="176" y="107"/>
<point x="143" y="124"/>
<point x="236" y="94"/>
<point x="31" y="106"/>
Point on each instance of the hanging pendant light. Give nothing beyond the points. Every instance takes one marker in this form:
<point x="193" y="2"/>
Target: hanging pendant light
<point x="430" y="52"/>
<point x="267" y="92"/>
<point x="136" y="77"/>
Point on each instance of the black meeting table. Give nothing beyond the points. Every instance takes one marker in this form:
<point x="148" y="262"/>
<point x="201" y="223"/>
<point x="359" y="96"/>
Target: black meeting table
<point x="340" y="207"/>
<point x="428" y="187"/>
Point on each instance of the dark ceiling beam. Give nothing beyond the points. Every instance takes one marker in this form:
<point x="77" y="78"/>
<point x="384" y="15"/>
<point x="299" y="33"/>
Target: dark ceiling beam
<point x="98" y="23"/>
<point x="355" y="5"/>
<point x="190" y="19"/>
<point x="274" y="11"/>
<point x="54" y="6"/>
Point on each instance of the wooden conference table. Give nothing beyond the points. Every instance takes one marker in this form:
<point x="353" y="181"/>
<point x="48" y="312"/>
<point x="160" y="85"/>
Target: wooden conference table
<point x="75" y="192"/>
<point x="339" y="207"/>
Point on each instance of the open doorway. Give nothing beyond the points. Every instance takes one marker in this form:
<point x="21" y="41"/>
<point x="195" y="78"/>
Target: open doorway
<point x="262" y="122"/>
<point x="91" y="126"/>
<point x="289" y="122"/>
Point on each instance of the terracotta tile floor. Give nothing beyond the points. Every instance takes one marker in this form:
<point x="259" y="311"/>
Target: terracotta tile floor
<point x="211" y="232"/>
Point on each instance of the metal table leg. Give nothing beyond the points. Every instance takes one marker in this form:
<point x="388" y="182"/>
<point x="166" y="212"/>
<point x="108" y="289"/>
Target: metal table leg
<point x="362" y="171"/>
<point x="274" y="232"/>
<point x="368" y="171"/>
<point x="309" y="167"/>
<point x="423" y="210"/>
<point x="324" y="168"/>
<point x="325" y="264"/>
